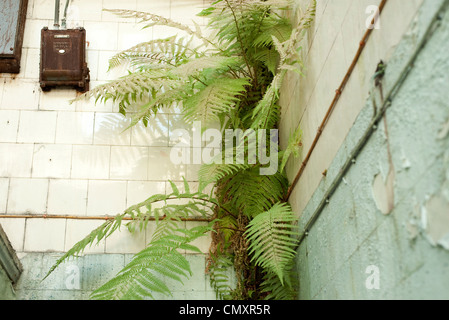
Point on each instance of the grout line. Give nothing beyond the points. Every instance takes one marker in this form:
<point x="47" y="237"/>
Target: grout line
<point x="48" y="194"/>
<point x="65" y="235"/>
<point x="87" y="197"/>
<point x="110" y="159"/>
<point x="24" y="234"/>
<point x="7" y="195"/>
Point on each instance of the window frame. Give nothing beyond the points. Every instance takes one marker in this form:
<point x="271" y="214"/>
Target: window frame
<point x="10" y="63"/>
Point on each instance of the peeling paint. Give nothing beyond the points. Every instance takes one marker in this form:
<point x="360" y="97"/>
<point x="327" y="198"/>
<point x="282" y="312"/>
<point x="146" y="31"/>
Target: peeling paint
<point x="444" y="132"/>
<point x="411" y="244"/>
<point x="383" y="192"/>
<point x="445" y="190"/>
<point x="423" y="218"/>
<point x="406" y="164"/>
<point x="412" y="229"/>
<point x="437" y="221"/>
<point x="413" y="225"/>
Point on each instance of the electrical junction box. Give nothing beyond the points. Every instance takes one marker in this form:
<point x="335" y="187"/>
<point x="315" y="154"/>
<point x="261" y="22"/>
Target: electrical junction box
<point x="63" y="59"/>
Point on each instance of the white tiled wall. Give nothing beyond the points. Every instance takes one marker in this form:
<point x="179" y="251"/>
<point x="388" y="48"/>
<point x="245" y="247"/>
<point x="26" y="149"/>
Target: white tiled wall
<point x="27" y="196"/>
<point x="63" y="158"/>
<point x="67" y="197"/>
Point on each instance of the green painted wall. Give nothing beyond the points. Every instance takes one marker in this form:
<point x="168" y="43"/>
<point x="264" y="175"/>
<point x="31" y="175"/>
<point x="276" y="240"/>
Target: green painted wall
<point x="384" y="232"/>
<point x="6" y="290"/>
<point x="77" y="278"/>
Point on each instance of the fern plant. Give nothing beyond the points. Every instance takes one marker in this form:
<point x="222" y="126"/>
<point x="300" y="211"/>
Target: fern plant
<point x="232" y="77"/>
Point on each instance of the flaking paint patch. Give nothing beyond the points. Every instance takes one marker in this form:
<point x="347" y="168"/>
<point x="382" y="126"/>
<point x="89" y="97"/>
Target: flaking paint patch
<point x="436" y="221"/>
<point x="413" y="225"/>
<point x="444" y="132"/>
<point x="383" y="192"/>
<point x="412" y="229"/>
<point x="406" y="164"/>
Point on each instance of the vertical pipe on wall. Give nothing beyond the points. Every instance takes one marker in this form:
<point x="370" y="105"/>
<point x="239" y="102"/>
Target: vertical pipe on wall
<point x="64" y="17"/>
<point x="56" y="21"/>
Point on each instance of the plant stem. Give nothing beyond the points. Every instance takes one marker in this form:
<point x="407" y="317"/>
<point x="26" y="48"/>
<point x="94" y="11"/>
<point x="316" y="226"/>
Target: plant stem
<point x="239" y="38"/>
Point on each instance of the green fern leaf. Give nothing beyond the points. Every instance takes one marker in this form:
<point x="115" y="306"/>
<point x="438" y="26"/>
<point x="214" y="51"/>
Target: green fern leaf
<point x="220" y="276"/>
<point x="252" y="193"/>
<point x="271" y="239"/>
<point x="277" y="290"/>
<point x="141" y="277"/>
<point x="293" y="147"/>
<point x="280" y="28"/>
<point x="212" y="173"/>
<point x="168" y="218"/>
<point x="217" y="98"/>
<point x="174" y="188"/>
<point x="269" y="57"/>
<point x="195" y="66"/>
<point x="266" y="113"/>
<point x="131" y="88"/>
<point x="154" y="50"/>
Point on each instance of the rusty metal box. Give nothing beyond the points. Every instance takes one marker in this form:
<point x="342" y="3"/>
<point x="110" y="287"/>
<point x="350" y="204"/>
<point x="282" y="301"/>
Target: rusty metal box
<point x="63" y="59"/>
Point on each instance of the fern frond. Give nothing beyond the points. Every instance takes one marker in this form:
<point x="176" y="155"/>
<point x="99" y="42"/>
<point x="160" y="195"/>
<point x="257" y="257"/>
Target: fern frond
<point x="212" y="173"/>
<point x="167" y="218"/>
<point x="153" y="20"/>
<point x="272" y="4"/>
<point x="252" y="193"/>
<point x="266" y="112"/>
<point x="278" y="290"/>
<point x="271" y="239"/>
<point x="159" y="100"/>
<point x="269" y="57"/>
<point x="280" y="28"/>
<point x="251" y="6"/>
<point x="93" y="238"/>
<point x="217" y="98"/>
<point x="131" y="88"/>
<point x="170" y="51"/>
<point x="227" y="226"/>
<point x="195" y="66"/>
<point x="219" y="275"/>
<point x="293" y="147"/>
<point x="235" y="77"/>
<point x="142" y="276"/>
<point x="152" y="47"/>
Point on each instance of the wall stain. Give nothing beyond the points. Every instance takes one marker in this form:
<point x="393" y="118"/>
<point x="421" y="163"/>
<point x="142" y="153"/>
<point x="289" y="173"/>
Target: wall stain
<point x="383" y="192"/>
<point x="437" y="221"/>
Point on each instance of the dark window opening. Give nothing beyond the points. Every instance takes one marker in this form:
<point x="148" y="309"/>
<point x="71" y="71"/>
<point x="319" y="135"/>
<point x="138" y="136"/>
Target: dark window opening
<point x="12" y="25"/>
